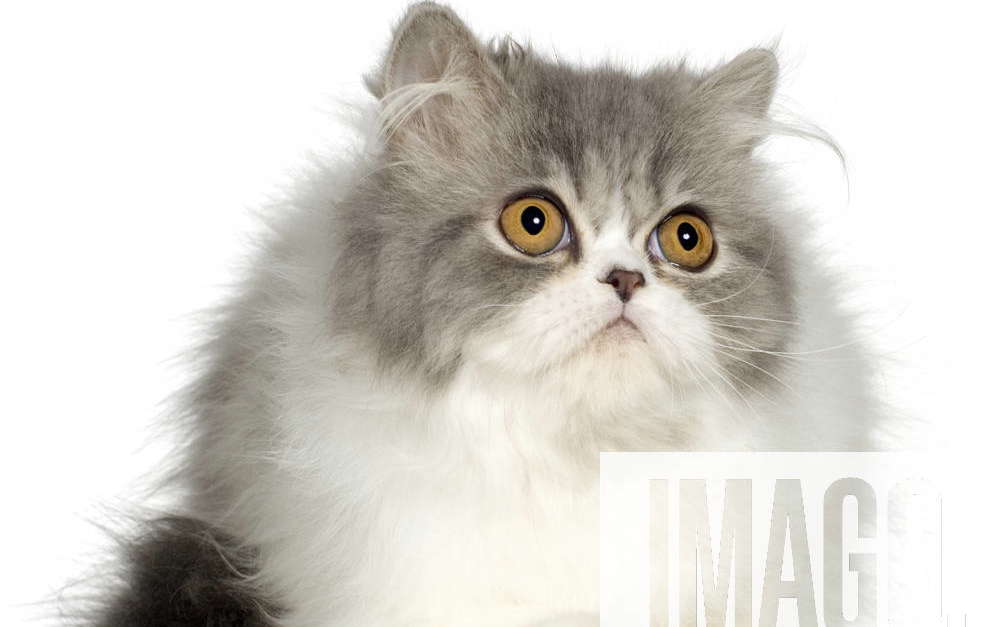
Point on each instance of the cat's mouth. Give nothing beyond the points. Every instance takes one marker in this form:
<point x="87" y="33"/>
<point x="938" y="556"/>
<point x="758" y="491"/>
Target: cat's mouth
<point x="621" y="325"/>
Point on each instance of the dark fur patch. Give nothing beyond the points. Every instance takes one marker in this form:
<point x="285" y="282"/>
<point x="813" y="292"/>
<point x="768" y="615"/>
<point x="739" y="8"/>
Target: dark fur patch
<point x="181" y="572"/>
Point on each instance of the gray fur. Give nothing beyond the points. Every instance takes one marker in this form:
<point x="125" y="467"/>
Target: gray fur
<point x="401" y="261"/>
<point x="415" y="265"/>
<point x="181" y="572"/>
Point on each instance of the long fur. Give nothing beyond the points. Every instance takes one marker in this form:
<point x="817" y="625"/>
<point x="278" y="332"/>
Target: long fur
<point x="171" y="571"/>
<point x="399" y="415"/>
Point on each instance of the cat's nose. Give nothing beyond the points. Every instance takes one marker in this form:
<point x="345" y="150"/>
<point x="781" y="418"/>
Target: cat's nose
<point x="625" y="282"/>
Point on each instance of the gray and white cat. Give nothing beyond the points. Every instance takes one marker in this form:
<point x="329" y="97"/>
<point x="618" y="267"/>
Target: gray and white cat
<point x="400" y="414"/>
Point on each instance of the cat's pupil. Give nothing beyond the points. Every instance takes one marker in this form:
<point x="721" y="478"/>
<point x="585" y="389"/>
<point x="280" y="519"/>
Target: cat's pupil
<point x="533" y="220"/>
<point x="687" y="235"/>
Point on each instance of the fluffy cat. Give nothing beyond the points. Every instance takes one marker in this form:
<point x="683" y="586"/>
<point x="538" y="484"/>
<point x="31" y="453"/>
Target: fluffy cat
<point x="400" y="414"/>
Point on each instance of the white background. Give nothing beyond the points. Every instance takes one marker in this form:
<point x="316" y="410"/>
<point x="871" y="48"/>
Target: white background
<point x="135" y="137"/>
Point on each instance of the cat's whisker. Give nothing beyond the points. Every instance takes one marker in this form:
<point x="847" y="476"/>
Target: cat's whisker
<point x="690" y="367"/>
<point x="736" y="326"/>
<point x="746" y="401"/>
<point x="744" y="345"/>
<point x="753" y="349"/>
<point x="858" y="339"/>
<point x="672" y="379"/>
<point x="736" y="390"/>
<point x="713" y="346"/>
<point x="725" y="398"/>
<point x="759" y="319"/>
<point x="701" y="378"/>
<point x="490" y="306"/>
<point x="750" y="386"/>
<point x="756" y="367"/>
<point x="675" y="349"/>
<point x="760" y="272"/>
<point x="762" y="351"/>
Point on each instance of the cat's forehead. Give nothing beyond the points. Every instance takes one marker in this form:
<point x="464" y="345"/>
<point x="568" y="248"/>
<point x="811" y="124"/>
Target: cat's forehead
<point x="603" y="194"/>
<point x="605" y="137"/>
<point x="606" y="111"/>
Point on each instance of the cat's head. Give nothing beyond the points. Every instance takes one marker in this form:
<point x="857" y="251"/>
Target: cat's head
<point x="606" y="232"/>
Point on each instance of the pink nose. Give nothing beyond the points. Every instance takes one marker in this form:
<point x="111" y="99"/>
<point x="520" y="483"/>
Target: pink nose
<point x="625" y="282"/>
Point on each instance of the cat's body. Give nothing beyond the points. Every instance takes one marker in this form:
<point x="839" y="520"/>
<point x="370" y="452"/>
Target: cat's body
<point x="401" y="413"/>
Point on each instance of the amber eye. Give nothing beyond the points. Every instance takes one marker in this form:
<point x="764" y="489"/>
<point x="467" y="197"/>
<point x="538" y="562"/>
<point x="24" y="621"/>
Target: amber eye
<point x="534" y="226"/>
<point x="683" y="239"/>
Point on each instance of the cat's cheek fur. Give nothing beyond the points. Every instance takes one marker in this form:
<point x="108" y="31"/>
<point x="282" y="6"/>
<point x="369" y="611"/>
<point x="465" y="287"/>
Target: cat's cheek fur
<point x="558" y="340"/>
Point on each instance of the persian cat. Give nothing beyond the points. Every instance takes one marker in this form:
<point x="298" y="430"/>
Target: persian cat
<point x="399" y="415"/>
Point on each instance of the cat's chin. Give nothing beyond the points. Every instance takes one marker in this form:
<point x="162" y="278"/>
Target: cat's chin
<point x="618" y="347"/>
<point x="619" y="338"/>
<point x="620" y="329"/>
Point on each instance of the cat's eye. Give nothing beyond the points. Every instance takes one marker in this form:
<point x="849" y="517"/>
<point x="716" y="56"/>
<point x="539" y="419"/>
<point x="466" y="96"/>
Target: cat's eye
<point x="534" y="226"/>
<point x="683" y="239"/>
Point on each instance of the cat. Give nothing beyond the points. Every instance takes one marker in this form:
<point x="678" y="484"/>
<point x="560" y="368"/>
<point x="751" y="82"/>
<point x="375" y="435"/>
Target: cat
<point x="399" y="415"/>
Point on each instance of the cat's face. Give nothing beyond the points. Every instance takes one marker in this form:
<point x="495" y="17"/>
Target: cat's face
<point x="545" y="222"/>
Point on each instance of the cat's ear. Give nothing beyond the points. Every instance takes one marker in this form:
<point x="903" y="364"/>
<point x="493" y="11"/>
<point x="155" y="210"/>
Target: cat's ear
<point x="435" y="71"/>
<point x="746" y="84"/>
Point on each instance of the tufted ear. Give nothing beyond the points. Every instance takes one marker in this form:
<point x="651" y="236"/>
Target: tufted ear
<point x="435" y="74"/>
<point x="745" y="84"/>
<point x="429" y="44"/>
